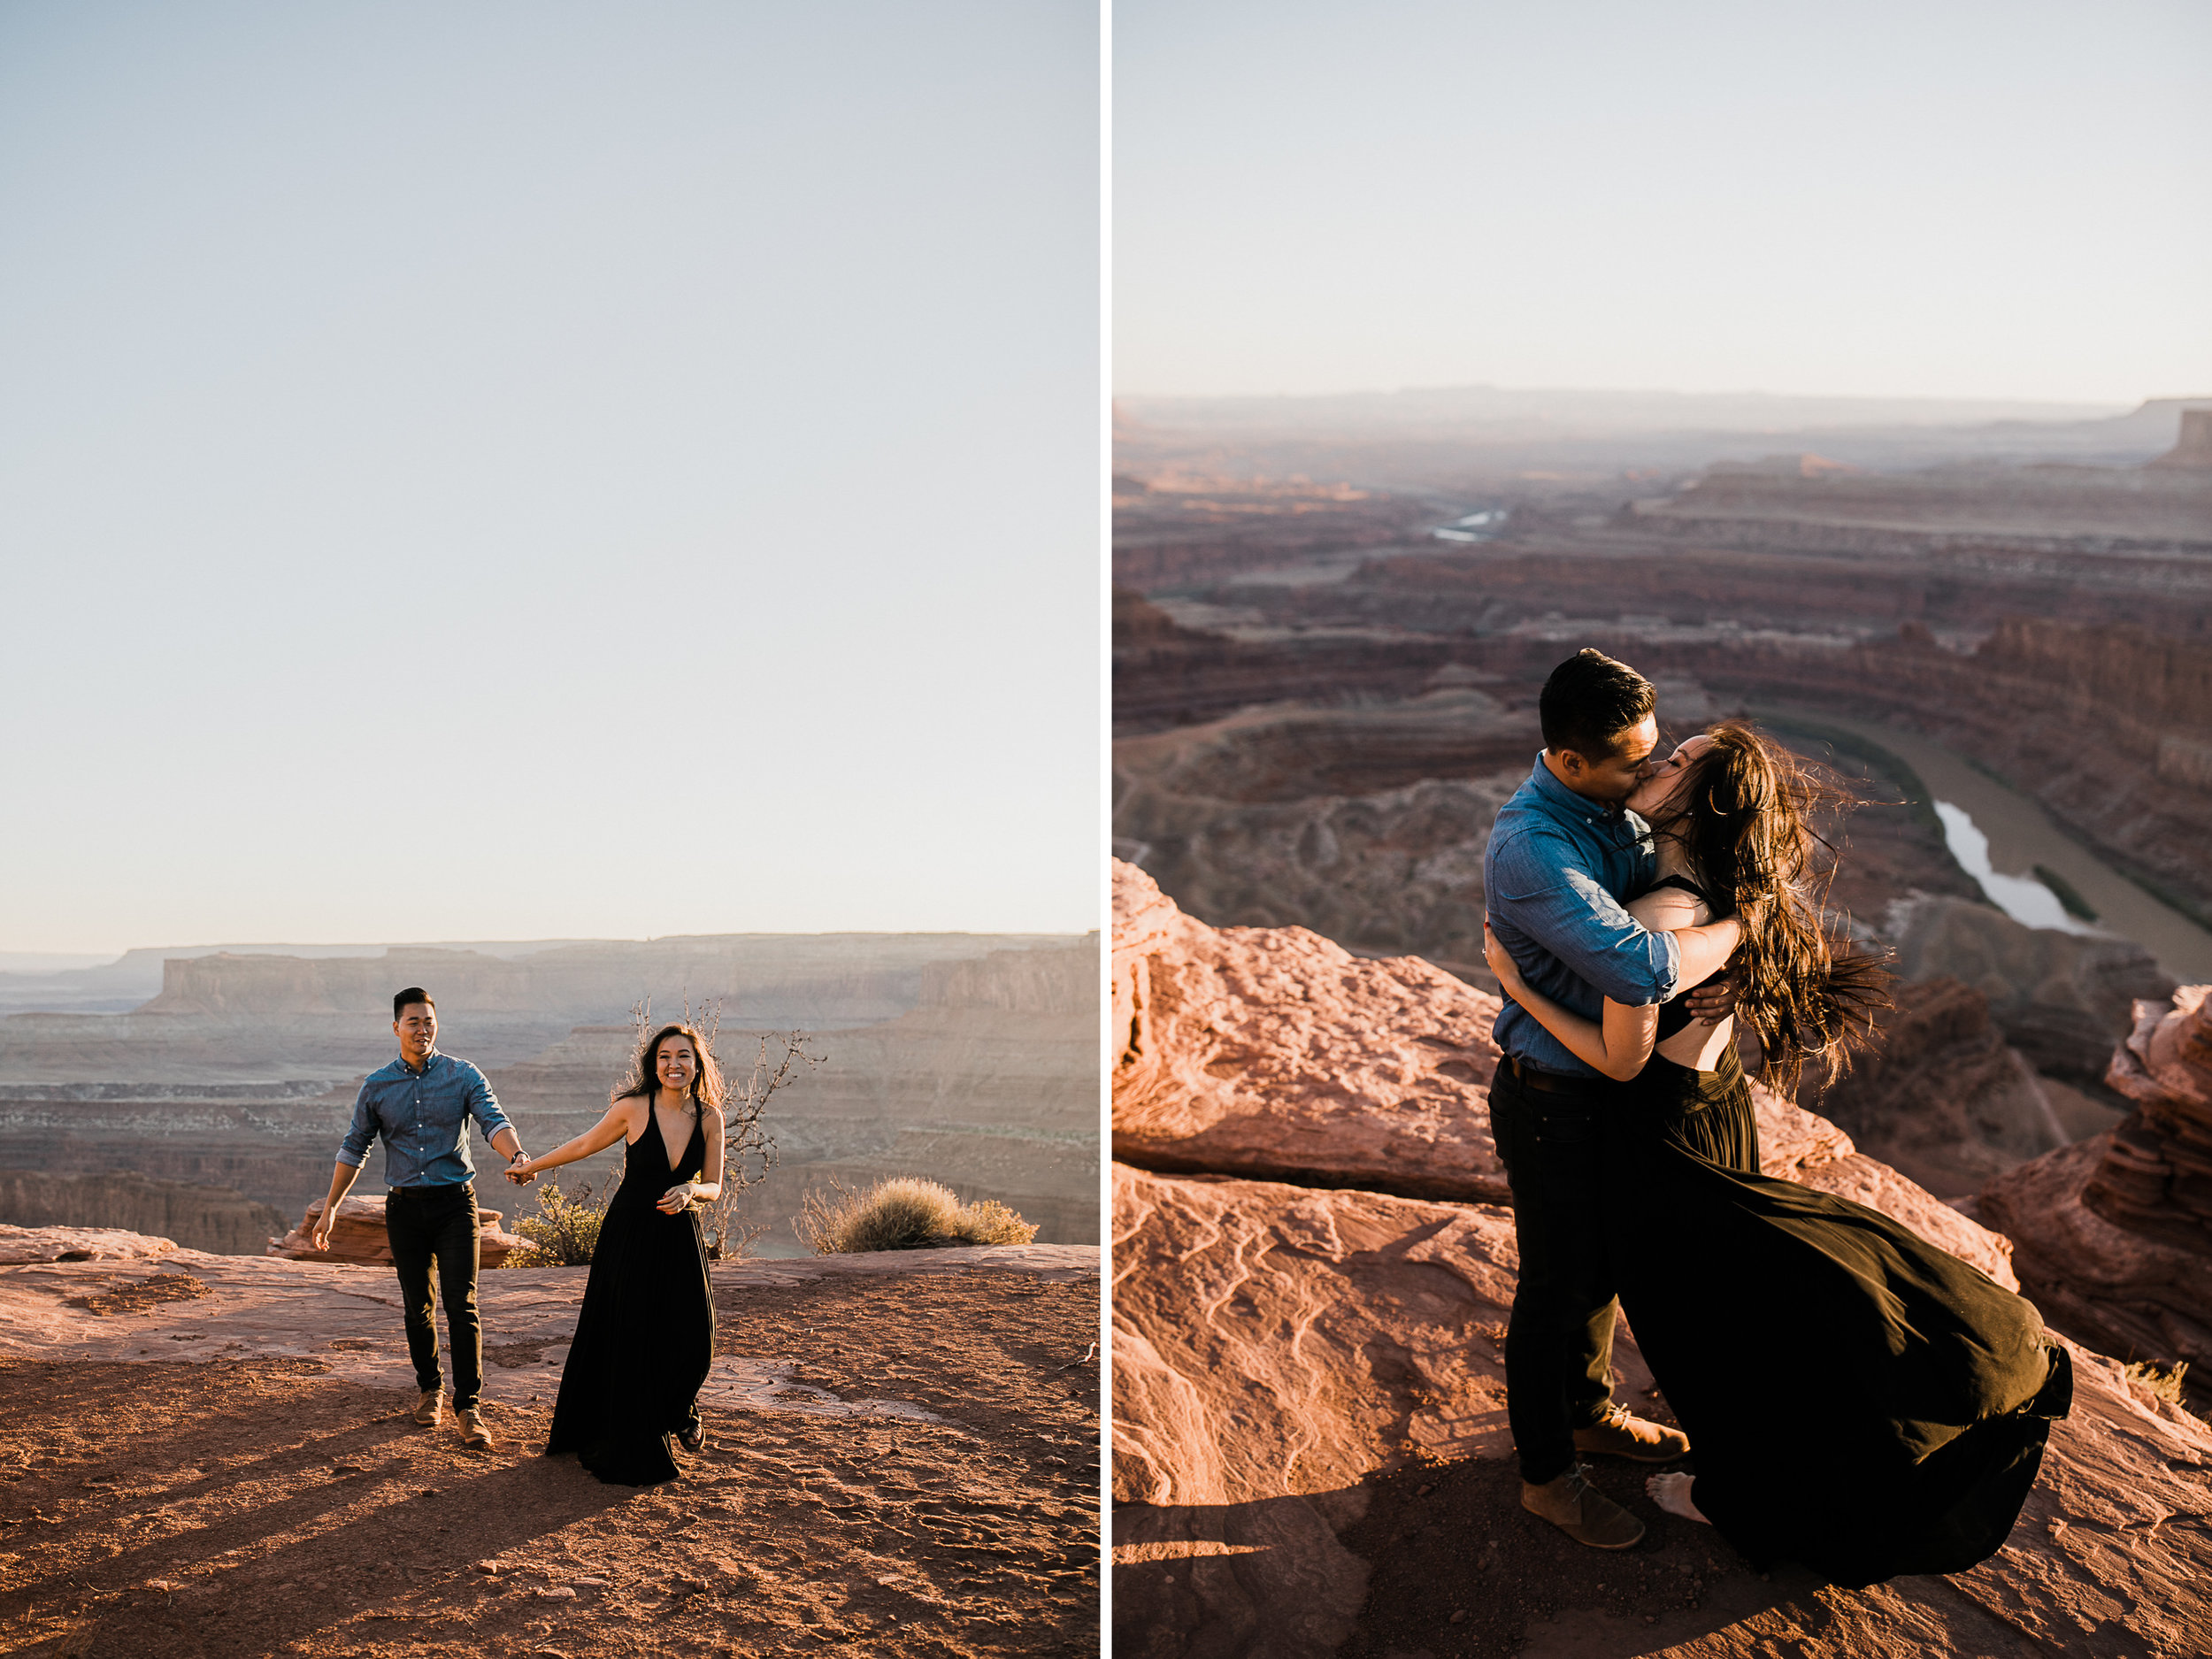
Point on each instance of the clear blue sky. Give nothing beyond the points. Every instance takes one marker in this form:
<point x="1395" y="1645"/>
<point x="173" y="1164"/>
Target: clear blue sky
<point x="2000" y="198"/>
<point x="517" y="470"/>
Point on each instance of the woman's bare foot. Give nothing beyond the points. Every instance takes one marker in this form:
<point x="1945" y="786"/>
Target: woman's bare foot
<point x="1671" y="1493"/>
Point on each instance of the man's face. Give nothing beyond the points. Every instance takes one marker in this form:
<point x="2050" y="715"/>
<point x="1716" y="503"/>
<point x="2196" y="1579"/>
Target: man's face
<point x="417" y="1029"/>
<point x="1611" y="778"/>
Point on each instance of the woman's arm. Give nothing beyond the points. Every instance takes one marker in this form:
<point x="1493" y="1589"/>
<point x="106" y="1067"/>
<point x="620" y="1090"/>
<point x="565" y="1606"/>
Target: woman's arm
<point x="1620" y="1044"/>
<point x="1617" y="1046"/>
<point x="708" y="1188"/>
<point x="613" y="1127"/>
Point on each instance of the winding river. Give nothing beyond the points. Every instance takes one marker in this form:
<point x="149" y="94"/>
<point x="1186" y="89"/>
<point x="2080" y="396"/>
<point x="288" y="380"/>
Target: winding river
<point x="1999" y="835"/>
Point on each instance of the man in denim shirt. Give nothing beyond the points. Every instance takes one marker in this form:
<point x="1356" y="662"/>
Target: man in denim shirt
<point x="421" y="1104"/>
<point x="1563" y="854"/>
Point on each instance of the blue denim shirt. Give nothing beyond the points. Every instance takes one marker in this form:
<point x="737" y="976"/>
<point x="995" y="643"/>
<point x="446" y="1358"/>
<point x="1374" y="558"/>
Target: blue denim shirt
<point x="1554" y="877"/>
<point x="424" y="1118"/>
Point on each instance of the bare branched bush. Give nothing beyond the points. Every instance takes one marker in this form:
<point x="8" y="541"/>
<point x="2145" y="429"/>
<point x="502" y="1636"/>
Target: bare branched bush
<point x="748" y="1150"/>
<point x="902" y="1212"/>
<point x="565" y="1231"/>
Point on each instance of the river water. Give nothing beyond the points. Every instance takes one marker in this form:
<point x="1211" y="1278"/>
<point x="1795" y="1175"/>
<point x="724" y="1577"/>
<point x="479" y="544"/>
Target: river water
<point x="1999" y="835"/>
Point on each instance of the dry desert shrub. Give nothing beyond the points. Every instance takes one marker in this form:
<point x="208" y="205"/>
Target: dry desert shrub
<point x="2164" y="1382"/>
<point x="563" y="1232"/>
<point x="902" y="1212"/>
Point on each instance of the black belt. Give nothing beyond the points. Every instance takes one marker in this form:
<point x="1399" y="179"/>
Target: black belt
<point x="1538" y="1081"/>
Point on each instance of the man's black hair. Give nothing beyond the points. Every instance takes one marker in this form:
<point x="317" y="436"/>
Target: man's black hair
<point x="412" y="994"/>
<point x="1589" y="701"/>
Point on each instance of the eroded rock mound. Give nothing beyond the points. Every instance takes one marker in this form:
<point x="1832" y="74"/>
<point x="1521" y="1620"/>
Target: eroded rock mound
<point x="1272" y="1053"/>
<point x="21" y="1245"/>
<point x="2114" y="1234"/>
<point x="1282" y="1348"/>
<point x="359" y="1235"/>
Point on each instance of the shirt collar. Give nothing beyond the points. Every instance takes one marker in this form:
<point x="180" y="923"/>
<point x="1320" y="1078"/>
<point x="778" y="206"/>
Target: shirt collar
<point x="1565" y="799"/>
<point x="1561" y="799"/>
<point x="428" y="1061"/>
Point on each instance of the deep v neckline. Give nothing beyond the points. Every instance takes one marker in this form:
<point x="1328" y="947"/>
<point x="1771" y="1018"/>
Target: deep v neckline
<point x="676" y="1161"/>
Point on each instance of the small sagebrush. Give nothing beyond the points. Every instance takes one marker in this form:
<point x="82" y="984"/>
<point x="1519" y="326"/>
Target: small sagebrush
<point x="904" y="1212"/>
<point x="563" y="1232"/>
<point x="2161" y="1381"/>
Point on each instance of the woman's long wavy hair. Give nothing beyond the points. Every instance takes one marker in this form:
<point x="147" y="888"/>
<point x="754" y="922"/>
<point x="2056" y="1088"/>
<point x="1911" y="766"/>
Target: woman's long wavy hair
<point x="644" y="1077"/>
<point x="1744" y="814"/>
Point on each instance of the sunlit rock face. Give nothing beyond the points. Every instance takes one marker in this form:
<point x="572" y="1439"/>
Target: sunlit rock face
<point x="1283" y="1344"/>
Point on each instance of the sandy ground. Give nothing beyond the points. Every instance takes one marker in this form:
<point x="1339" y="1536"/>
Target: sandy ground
<point x="900" y="1464"/>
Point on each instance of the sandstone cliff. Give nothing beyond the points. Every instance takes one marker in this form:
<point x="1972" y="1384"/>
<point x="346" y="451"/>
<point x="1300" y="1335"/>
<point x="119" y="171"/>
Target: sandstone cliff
<point x="1312" y="1272"/>
<point x="212" y="1218"/>
<point x="2115" y="1234"/>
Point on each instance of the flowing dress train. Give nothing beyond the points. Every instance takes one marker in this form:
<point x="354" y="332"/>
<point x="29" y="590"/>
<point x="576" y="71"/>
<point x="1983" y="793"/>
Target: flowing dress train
<point x="1856" y="1399"/>
<point x="645" y="1334"/>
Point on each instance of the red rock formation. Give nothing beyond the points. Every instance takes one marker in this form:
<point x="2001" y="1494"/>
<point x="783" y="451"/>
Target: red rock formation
<point x="1941" y="1097"/>
<point x="215" y="1218"/>
<point x="358" y="1236"/>
<point x="1278" y="1347"/>
<point x="2114" y="1234"/>
<point x="2157" y="1176"/>
<point x="22" y="1245"/>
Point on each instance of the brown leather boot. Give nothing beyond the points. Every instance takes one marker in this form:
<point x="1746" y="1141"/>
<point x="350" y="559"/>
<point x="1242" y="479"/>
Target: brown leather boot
<point x="1580" y="1511"/>
<point x="474" y="1435"/>
<point x="430" y="1410"/>
<point x="1617" y="1435"/>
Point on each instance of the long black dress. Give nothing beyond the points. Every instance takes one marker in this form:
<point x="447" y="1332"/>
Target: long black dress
<point x="1856" y="1399"/>
<point x="645" y="1336"/>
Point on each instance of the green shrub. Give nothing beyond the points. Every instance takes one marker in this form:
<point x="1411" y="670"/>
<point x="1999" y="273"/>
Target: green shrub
<point x="904" y="1212"/>
<point x="563" y="1232"/>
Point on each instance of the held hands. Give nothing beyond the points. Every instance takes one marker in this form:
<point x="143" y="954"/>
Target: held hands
<point x="1713" y="1001"/>
<point x="676" y="1200"/>
<point x="522" y="1171"/>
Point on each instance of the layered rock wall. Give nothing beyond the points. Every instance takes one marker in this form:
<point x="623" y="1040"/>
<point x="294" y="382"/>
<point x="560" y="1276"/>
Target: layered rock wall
<point x="2115" y="1233"/>
<point x="211" y="1218"/>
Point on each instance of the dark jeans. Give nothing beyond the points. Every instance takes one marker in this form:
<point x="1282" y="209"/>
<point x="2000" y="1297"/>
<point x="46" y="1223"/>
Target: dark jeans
<point x="424" y="1222"/>
<point x="1559" y="1344"/>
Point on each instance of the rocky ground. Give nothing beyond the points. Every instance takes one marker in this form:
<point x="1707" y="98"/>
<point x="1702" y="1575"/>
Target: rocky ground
<point x="902" y="1459"/>
<point x="1310" y="1452"/>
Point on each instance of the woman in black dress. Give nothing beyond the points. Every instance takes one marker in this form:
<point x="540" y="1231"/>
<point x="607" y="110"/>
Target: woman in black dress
<point x="645" y="1333"/>
<point x="1856" y="1399"/>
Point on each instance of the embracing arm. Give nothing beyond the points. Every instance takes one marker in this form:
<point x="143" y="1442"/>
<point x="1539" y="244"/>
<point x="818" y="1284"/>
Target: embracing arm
<point x="613" y="1127"/>
<point x="1617" y="1046"/>
<point x="1620" y="1043"/>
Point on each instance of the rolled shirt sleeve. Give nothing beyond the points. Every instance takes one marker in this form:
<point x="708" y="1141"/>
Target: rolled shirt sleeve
<point x="353" y="1151"/>
<point x="1546" y="894"/>
<point x="483" y="1105"/>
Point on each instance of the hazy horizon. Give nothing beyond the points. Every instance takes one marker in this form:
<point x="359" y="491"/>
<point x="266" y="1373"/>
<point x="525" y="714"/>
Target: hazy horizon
<point x="547" y="471"/>
<point x="1974" y="201"/>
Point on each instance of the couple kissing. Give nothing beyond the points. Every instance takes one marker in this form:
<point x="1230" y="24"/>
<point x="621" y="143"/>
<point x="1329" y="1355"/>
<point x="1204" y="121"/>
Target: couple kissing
<point x="1852" y="1397"/>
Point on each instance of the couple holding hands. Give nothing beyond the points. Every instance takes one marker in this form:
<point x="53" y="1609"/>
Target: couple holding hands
<point x="645" y="1336"/>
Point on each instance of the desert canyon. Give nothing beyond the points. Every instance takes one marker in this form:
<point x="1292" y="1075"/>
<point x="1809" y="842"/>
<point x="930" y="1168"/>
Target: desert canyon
<point x="210" y="1448"/>
<point x="208" y="1106"/>
<point x="1331" y="621"/>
